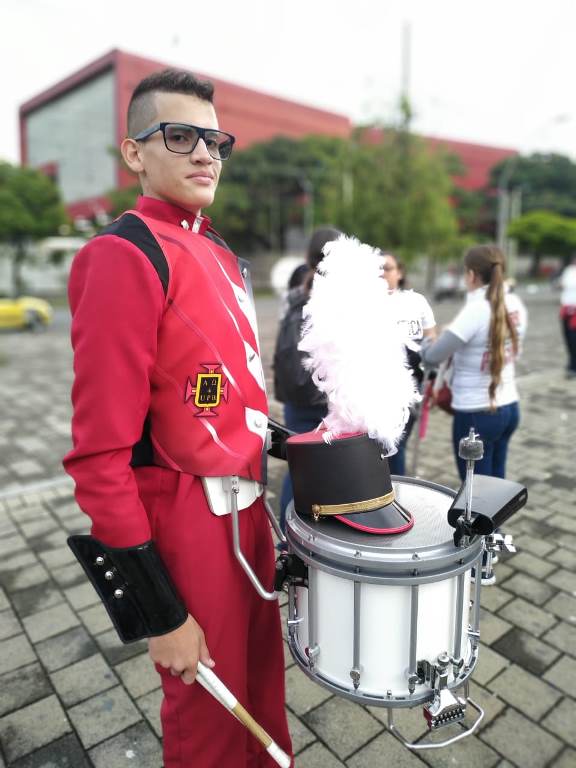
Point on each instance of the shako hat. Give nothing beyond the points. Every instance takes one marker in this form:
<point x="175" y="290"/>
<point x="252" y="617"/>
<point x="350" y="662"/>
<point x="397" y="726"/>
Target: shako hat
<point x="346" y="478"/>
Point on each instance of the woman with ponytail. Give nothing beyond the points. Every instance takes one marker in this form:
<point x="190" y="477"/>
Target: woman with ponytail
<point x="484" y="341"/>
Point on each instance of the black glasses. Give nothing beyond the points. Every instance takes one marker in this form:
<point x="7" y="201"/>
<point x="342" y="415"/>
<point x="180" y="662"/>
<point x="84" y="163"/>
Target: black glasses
<point x="182" y="139"/>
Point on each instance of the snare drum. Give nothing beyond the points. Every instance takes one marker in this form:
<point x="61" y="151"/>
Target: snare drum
<point x="378" y="611"/>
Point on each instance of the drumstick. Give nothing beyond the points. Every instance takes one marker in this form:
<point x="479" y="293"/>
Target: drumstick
<point x="216" y="688"/>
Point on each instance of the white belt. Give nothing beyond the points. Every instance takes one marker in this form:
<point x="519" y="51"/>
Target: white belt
<point x="218" y="494"/>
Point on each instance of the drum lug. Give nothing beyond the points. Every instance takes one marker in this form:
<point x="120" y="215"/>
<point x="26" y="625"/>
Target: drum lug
<point x="312" y="653"/>
<point x="355" y="675"/>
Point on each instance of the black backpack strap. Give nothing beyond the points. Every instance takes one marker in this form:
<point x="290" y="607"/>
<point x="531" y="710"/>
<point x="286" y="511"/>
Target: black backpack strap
<point x="131" y="228"/>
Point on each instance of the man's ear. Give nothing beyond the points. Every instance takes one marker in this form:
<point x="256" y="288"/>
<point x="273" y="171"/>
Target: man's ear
<point x="131" y="155"/>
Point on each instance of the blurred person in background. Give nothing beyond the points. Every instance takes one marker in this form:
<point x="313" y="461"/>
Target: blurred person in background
<point x="304" y="405"/>
<point x="416" y="321"/>
<point x="484" y="341"/>
<point x="568" y="315"/>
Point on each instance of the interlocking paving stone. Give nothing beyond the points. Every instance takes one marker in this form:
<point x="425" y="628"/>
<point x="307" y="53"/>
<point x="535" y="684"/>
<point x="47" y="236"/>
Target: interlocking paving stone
<point x="64" y="649"/>
<point x="35" y="599"/>
<point x="35" y="528"/>
<point x="489" y="664"/>
<point x="330" y="720"/>
<point x="302" y="694"/>
<point x="563" y="676"/>
<point x="521" y="741"/>
<point x="24" y="576"/>
<point x="492" y="627"/>
<point x="317" y="756"/>
<point x="138" y="675"/>
<point x="115" y="651"/>
<point x="300" y="734"/>
<point x="57" y="558"/>
<point x="527" y="616"/>
<point x="564" y="557"/>
<point x="562" y="721"/>
<point x="15" y="652"/>
<point x="494" y="598"/>
<point x="83" y="679"/>
<point x="564" y="580"/>
<point x="384" y="750"/>
<point x="566" y="760"/>
<point x="9" y="624"/>
<point x="81" y="596"/>
<point x="11" y="544"/>
<point x="563" y="606"/>
<point x="526" y="651"/>
<point x="488" y="701"/>
<point x="103" y="716"/>
<point x="150" y="707"/>
<point x="95" y="619"/>
<point x="472" y="753"/>
<point x="562" y="636"/>
<point x="23" y="686"/>
<point x="410" y="722"/>
<point x="525" y="691"/>
<point x="49" y="622"/>
<point x="66" y="752"/>
<point x="137" y="746"/>
<point x="15" y="561"/>
<point x="533" y="566"/>
<point x="69" y="575"/>
<point x="32" y="727"/>
<point x="536" y="547"/>
<point x="533" y="590"/>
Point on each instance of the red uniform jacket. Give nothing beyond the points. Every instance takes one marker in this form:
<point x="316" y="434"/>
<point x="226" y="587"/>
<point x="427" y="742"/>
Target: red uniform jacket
<point x="166" y="361"/>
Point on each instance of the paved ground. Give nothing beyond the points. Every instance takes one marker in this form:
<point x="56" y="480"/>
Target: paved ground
<point x="71" y="696"/>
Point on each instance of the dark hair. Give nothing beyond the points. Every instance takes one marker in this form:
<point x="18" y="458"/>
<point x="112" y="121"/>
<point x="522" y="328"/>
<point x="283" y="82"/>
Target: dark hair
<point x="402" y="281"/>
<point x="487" y="262"/>
<point x="141" y="110"/>
<point x="314" y="254"/>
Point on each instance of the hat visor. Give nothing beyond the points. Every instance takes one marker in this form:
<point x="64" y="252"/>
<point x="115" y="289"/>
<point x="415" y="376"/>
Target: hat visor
<point x="384" y="521"/>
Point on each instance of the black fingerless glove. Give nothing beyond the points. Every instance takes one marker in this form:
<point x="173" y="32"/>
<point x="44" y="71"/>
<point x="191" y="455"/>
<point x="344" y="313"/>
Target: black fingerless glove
<point x="134" y="586"/>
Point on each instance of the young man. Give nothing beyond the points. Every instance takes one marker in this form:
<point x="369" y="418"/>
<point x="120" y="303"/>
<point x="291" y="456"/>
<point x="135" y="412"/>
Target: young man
<point x="169" y="399"/>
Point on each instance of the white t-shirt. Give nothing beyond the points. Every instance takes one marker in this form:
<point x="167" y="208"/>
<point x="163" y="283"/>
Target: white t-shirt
<point x="568" y="285"/>
<point x="414" y="315"/>
<point x="471" y="376"/>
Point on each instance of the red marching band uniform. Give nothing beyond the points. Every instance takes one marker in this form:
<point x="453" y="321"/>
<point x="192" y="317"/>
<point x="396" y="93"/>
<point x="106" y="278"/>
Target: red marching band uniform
<point x="169" y="391"/>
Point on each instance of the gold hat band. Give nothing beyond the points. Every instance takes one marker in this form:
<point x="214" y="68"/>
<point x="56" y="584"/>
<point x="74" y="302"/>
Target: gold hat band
<point x="353" y="506"/>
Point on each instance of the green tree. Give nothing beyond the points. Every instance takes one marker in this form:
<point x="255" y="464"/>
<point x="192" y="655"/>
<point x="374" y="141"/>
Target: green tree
<point x="402" y="197"/>
<point x="30" y="209"/>
<point x="543" y="233"/>
<point x="123" y="199"/>
<point x="395" y="194"/>
<point x="548" y="181"/>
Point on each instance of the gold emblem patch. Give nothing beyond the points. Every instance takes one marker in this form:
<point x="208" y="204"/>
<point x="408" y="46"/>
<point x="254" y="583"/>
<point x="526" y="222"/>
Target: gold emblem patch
<point x="210" y="388"/>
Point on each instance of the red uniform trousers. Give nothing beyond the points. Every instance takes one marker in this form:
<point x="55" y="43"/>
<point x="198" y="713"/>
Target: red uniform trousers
<point x="242" y="631"/>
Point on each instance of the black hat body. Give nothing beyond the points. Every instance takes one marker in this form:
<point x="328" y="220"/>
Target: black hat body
<point x="347" y="478"/>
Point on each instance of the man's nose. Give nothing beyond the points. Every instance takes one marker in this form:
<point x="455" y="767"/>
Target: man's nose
<point x="200" y="153"/>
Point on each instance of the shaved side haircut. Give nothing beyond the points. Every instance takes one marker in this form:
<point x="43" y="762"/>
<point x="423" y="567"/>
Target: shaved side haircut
<point x="142" y="110"/>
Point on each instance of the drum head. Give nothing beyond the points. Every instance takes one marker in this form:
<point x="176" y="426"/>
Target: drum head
<point x="426" y="548"/>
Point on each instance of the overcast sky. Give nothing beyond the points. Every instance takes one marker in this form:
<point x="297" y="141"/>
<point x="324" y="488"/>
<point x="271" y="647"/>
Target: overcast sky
<point x="499" y="72"/>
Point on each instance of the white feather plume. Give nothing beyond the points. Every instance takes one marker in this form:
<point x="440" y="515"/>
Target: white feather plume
<point x="356" y="352"/>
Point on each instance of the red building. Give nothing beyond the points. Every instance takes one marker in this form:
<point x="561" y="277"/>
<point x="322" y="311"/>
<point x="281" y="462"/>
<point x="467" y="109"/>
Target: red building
<point x="72" y="130"/>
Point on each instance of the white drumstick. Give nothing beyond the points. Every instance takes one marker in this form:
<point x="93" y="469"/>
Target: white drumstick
<point x="216" y="688"/>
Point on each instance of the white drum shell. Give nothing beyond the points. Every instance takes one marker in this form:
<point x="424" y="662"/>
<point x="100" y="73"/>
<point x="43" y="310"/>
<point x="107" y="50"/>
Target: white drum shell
<point x="384" y="650"/>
